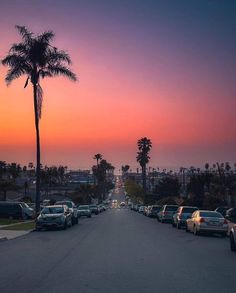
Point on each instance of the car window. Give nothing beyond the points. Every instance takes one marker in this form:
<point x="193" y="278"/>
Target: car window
<point x="52" y="210"/>
<point x="211" y="215"/>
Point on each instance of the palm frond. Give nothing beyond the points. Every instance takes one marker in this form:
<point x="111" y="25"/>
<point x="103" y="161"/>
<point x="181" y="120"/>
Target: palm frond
<point x="25" y="33"/>
<point x="14" y="73"/>
<point x="61" y="70"/>
<point x="46" y="37"/>
<point x="56" y="56"/>
<point x="20" y="48"/>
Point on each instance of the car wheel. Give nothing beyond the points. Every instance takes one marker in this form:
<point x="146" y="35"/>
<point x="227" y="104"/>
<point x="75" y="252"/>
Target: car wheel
<point x="158" y="219"/>
<point x="223" y="235"/>
<point x="232" y="243"/>
<point x="186" y="229"/>
<point x="173" y="224"/>
<point x="77" y="220"/>
<point x="195" y="231"/>
<point x="38" y="229"/>
<point x="178" y="226"/>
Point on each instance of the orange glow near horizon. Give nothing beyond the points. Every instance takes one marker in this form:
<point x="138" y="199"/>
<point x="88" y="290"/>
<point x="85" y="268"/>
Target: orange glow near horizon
<point x="122" y="95"/>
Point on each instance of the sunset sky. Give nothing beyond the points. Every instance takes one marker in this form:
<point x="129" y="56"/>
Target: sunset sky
<point x="164" y="69"/>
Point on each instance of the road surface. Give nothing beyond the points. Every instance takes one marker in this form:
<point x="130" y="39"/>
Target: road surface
<point x="117" y="251"/>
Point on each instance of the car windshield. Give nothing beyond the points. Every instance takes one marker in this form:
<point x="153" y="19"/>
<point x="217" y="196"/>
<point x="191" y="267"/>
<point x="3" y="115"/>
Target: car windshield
<point x="93" y="206"/>
<point x="84" y="207"/>
<point x="67" y="203"/>
<point x="210" y="215"/>
<point x="171" y="208"/>
<point x="189" y="210"/>
<point x="24" y="205"/>
<point x="53" y="210"/>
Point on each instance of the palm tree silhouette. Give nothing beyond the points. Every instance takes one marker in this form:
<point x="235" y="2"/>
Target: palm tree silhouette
<point x="36" y="58"/>
<point x="97" y="157"/>
<point x="144" y="147"/>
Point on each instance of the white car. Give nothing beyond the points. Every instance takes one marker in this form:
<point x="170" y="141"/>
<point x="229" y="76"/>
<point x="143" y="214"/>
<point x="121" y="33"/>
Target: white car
<point x="232" y="237"/>
<point x="207" y="221"/>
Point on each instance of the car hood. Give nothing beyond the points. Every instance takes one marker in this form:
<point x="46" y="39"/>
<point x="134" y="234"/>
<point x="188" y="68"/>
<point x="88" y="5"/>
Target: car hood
<point x="47" y="216"/>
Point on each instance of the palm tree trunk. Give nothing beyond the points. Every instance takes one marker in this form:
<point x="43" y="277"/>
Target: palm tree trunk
<point x="144" y="179"/>
<point x="37" y="197"/>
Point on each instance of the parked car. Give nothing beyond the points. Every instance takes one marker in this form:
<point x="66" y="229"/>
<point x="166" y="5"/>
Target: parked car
<point x="28" y="211"/>
<point x="12" y="210"/>
<point x="207" y="221"/>
<point x="94" y="209"/>
<point x="182" y="214"/>
<point x="153" y="210"/>
<point x="141" y="209"/>
<point x="231" y="218"/>
<point x="232" y="237"/>
<point x="72" y="207"/>
<point x="166" y="213"/>
<point x="57" y="216"/>
<point x="222" y="210"/>
<point x="146" y="210"/>
<point x="84" y="210"/>
<point x="122" y="204"/>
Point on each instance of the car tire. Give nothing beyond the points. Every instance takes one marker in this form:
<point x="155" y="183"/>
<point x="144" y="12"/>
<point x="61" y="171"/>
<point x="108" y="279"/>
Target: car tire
<point x="173" y="224"/>
<point x="232" y="243"/>
<point x="223" y="235"/>
<point x="38" y="229"/>
<point x="77" y="220"/>
<point x="195" y="231"/>
<point x="186" y="229"/>
<point x="178" y="226"/>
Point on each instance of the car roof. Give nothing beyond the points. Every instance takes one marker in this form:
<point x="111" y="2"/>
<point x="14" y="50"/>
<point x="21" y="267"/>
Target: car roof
<point x="56" y="206"/>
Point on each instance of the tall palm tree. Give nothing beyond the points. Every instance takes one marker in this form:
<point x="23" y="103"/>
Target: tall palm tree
<point x="36" y="58"/>
<point x="97" y="157"/>
<point x="144" y="147"/>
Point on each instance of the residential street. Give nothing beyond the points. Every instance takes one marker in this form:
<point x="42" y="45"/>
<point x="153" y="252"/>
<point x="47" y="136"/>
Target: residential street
<point x="117" y="251"/>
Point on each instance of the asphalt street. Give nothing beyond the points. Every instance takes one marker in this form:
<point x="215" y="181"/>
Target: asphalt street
<point x="117" y="251"/>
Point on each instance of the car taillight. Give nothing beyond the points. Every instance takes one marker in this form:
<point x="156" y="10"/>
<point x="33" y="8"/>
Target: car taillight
<point x="202" y="220"/>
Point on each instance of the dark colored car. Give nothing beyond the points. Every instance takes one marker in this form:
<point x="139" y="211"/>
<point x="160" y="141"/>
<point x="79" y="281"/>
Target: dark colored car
<point x="153" y="210"/>
<point x="222" y="210"/>
<point x="94" y="209"/>
<point x="232" y="237"/>
<point x="12" y="210"/>
<point x="57" y="216"/>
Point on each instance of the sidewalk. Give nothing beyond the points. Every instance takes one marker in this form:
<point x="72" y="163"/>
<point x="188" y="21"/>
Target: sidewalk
<point x="7" y="233"/>
<point x="10" y="234"/>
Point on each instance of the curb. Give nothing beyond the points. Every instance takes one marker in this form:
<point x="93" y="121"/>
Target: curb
<point x="3" y="239"/>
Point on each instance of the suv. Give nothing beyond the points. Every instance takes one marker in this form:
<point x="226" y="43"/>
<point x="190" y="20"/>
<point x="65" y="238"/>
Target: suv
<point x="72" y="207"/>
<point x="12" y="210"/>
<point x="166" y="213"/>
<point x="57" y="216"/>
<point x="232" y="237"/>
<point x="183" y="213"/>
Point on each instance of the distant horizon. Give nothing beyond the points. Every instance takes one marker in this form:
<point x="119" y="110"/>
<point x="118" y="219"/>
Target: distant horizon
<point x="161" y="69"/>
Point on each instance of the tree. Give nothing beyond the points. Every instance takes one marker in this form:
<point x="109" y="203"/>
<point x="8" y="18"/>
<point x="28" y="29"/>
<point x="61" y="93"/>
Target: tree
<point x="36" y="58"/>
<point x="144" y="147"/>
<point x="97" y="157"/>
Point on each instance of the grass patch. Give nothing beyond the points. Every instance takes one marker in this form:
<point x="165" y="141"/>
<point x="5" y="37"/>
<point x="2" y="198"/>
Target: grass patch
<point x="8" y="221"/>
<point x="21" y="227"/>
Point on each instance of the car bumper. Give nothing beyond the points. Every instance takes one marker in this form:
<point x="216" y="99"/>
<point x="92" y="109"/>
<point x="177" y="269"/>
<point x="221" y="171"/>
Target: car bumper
<point x="213" y="229"/>
<point x="50" y="225"/>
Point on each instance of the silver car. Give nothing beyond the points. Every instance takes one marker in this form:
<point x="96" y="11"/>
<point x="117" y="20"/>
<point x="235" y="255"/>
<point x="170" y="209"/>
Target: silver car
<point x="207" y="221"/>
<point x="84" y="210"/>
<point x="166" y="213"/>
<point x="57" y="216"/>
<point x="72" y="207"/>
<point x="183" y="213"/>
